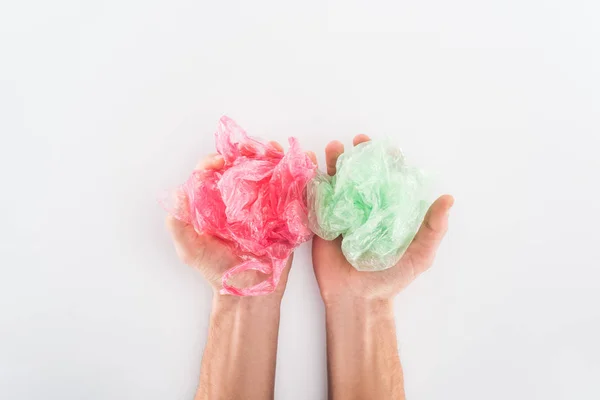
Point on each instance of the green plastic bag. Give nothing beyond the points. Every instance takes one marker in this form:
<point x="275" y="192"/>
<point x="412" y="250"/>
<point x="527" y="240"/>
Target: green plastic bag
<point x="375" y="201"/>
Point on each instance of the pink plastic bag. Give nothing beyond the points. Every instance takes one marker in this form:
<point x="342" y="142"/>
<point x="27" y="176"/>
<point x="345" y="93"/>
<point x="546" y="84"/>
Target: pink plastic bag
<point x="256" y="203"/>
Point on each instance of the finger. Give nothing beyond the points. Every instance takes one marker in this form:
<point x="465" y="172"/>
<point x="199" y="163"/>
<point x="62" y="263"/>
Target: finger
<point x="188" y="243"/>
<point x="358" y="139"/>
<point x="212" y="161"/>
<point x="433" y="228"/>
<point x="180" y="232"/>
<point x="276" y="145"/>
<point x="176" y="220"/>
<point x="332" y="151"/>
<point x="177" y="227"/>
<point x="312" y="156"/>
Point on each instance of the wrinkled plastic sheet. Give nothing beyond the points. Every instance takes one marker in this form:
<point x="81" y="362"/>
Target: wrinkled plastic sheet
<point x="375" y="201"/>
<point x="256" y="203"/>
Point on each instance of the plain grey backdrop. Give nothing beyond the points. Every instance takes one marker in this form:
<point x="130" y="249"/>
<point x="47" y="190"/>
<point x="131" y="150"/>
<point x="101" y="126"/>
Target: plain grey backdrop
<point x="105" y="104"/>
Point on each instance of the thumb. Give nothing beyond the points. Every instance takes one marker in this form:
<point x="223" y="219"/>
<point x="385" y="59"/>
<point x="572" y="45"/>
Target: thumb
<point x="432" y="230"/>
<point x="185" y="237"/>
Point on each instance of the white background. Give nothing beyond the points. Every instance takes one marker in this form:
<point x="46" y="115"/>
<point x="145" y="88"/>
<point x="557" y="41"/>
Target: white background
<point x="105" y="104"/>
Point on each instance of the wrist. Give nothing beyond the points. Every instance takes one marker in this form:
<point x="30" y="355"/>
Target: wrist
<point x="358" y="305"/>
<point x="359" y="313"/>
<point x="267" y="304"/>
<point x="362" y="352"/>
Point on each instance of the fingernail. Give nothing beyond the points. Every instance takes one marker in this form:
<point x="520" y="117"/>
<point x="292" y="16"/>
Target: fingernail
<point x="451" y="202"/>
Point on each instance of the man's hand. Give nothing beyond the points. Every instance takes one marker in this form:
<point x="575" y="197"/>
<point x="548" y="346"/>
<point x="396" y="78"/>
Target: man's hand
<point x="241" y="347"/>
<point x="338" y="279"/>
<point x="209" y="254"/>
<point x="362" y="351"/>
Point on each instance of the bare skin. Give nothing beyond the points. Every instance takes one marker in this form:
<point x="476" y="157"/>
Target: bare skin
<point x="363" y="363"/>
<point x="240" y="353"/>
<point x="362" y="355"/>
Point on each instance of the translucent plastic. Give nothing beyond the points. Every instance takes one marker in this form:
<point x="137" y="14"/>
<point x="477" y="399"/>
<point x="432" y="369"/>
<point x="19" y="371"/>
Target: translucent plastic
<point x="375" y="201"/>
<point x="256" y="203"/>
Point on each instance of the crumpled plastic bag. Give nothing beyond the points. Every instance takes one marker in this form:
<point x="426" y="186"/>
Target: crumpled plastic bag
<point x="375" y="201"/>
<point x="256" y="203"/>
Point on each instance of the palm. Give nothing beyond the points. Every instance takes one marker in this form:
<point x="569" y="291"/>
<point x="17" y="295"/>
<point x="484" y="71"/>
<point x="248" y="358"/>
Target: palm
<point x="213" y="257"/>
<point x="204" y="252"/>
<point x="337" y="278"/>
<point x="209" y="254"/>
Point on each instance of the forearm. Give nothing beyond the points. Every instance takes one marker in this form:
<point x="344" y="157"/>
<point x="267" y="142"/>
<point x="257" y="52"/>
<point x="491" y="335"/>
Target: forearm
<point x="362" y="353"/>
<point x="240" y="353"/>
